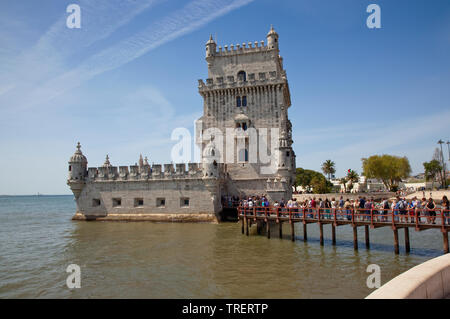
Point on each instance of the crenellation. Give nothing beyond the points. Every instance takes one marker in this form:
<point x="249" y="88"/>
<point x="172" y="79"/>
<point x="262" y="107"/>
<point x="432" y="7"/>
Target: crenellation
<point x="156" y="170"/>
<point x="112" y="172"/>
<point x="244" y="48"/>
<point x="103" y="173"/>
<point x="123" y="172"/>
<point x="145" y="172"/>
<point x="168" y="170"/>
<point x="181" y="169"/>
<point x="134" y="172"/>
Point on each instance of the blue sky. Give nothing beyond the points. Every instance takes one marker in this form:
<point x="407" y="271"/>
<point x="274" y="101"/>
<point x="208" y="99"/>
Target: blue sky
<point x="128" y="77"/>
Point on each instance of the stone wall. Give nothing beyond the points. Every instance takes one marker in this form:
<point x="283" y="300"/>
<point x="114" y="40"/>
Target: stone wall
<point x="158" y="198"/>
<point x="429" y="280"/>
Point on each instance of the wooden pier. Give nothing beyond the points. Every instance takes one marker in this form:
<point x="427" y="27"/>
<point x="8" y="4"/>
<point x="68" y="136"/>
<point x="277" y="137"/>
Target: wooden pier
<point x="369" y="219"/>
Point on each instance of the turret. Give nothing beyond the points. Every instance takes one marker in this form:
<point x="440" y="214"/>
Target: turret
<point x="78" y="165"/>
<point x="77" y="171"/>
<point x="210" y="47"/>
<point x="107" y="163"/>
<point x="272" y="39"/>
<point x="209" y="160"/>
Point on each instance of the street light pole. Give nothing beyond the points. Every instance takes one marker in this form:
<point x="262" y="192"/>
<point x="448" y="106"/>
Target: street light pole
<point x="443" y="163"/>
<point x="448" y="147"/>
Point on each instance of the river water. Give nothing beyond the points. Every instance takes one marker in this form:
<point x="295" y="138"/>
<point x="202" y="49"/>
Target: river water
<point x="38" y="240"/>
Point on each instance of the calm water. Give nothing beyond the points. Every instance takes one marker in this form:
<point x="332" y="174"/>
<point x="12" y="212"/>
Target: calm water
<point x="149" y="260"/>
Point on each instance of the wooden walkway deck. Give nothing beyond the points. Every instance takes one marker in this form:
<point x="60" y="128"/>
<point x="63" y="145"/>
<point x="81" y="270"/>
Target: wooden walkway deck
<point x="369" y="219"/>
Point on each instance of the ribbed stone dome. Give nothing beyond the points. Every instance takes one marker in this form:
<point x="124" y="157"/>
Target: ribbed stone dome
<point x="272" y="32"/>
<point x="210" y="41"/>
<point x="210" y="151"/>
<point x="78" y="156"/>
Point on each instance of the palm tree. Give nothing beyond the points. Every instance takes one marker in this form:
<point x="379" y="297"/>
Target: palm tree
<point x="352" y="176"/>
<point x="328" y="168"/>
<point x="343" y="181"/>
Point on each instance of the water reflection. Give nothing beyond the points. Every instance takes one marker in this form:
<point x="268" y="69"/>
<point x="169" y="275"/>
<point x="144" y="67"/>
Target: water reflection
<point x="158" y="260"/>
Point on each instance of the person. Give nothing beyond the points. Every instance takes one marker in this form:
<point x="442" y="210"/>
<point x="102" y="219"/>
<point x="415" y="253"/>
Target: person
<point x="313" y="206"/>
<point x="385" y="206"/>
<point x="423" y="206"/>
<point x="415" y="210"/>
<point x="431" y="206"/>
<point x="348" y="207"/>
<point x="295" y="207"/>
<point x="401" y="206"/>
<point x="367" y="208"/>
<point x="445" y="210"/>
<point x="321" y="208"/>
<point x="334" y="205"/>
<point x="356" y="208"/>
<point x="341" y="206"/>
<point x="394" y="208"/>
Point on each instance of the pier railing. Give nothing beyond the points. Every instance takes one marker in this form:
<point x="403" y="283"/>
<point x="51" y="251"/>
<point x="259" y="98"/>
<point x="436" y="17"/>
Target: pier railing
<point x="417" y="218"/>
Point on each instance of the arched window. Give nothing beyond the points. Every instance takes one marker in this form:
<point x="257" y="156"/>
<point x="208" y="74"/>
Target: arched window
<point x="244" y="101"/>
<point x="243" y="155"/>
<point x="242" y="76"/>
<point x="238" y="101"/>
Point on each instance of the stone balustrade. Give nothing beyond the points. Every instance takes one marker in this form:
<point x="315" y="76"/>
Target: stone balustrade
<point x="429" y="280"/>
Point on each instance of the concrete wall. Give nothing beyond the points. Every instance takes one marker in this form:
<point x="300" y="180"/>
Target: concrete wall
<point x="429" y="280"/>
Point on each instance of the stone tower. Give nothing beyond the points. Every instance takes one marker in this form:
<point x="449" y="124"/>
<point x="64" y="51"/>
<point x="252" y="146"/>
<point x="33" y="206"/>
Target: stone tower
<point x="245" y="110"/>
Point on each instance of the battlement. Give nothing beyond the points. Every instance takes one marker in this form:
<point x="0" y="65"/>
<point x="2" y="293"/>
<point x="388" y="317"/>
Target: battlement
<point x="145" y="172"/>
<point x="276" y="184"/>
<point x="253" y="79"/>
<point x="244" y="48"/>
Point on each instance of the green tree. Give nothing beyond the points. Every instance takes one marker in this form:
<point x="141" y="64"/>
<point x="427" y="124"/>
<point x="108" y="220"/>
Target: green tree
<point x="319" y="185"/>
<point x="328" y="168"/>
<point x="311" y="179"/>
<point x="432" y="169"/>
<point x="388" y="168"/>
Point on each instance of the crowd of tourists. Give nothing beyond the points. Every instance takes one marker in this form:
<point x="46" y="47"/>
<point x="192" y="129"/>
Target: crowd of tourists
<point x="361" y="209"/>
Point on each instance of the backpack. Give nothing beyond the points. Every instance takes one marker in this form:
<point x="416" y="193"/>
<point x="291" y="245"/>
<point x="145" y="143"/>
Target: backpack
<point x="401" y="205"/>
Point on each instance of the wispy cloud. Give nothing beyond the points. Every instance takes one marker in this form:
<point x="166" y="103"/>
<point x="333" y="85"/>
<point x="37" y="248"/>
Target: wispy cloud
<point x="51" y="83"/>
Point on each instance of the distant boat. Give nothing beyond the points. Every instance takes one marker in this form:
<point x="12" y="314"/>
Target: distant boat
<point x="39" y="194"/>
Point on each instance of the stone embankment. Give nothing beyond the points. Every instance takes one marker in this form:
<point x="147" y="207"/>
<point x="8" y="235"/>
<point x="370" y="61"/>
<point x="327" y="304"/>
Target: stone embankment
<point x="429" y="280"/>
<point x="337" y="196"/>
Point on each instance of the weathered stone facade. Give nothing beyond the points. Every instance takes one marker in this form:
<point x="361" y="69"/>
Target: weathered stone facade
<point x="244" y="134"/>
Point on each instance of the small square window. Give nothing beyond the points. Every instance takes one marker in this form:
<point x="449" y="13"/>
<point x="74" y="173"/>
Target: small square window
<point x="117" y="202"/>
<point x="184" y="202"/>
<point x="95" y="202"/>
<point x="138" y="202"/>
<point x="160" y="202"/>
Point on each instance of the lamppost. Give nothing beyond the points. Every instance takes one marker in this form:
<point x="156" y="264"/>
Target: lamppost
<point x="443" y="163"/>
<point x="448" y="147"/>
